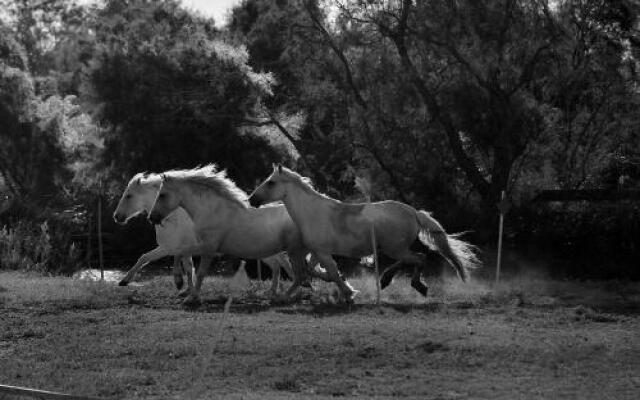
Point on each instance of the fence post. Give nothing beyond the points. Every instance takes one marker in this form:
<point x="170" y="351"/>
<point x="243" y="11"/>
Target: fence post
<point x="259" y="267"/>
<point x="364" y="185"/>
<point x="503" y="207"/>
<point x="375" y="260"/>
<point x="99" y="225"/>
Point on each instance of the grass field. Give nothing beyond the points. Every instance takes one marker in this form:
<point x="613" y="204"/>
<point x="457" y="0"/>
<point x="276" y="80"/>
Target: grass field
<point x="526" y="338"/>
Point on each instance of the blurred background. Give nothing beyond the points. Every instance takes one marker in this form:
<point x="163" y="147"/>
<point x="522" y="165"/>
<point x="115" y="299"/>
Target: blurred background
<point x="443" y="105"/>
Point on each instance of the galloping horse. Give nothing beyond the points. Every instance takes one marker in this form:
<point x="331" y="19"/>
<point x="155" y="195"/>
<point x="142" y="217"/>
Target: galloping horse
<point x="175" y="232"/>
<point x="224" y="222"/>
<point x="331" y="227"/>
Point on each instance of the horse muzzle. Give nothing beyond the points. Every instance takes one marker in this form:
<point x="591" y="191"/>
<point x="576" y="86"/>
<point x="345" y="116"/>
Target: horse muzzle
<point x="120" y="219"/>
<point x="254" y="201"/>
<point x="155" y="218"/>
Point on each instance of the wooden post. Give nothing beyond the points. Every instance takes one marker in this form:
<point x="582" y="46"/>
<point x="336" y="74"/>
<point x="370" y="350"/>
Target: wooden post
<point x="99" y="225"/>
<point x="502" y="207"/>
<point x="89" y="231"/>
<point x="375" y="260"/>
<point x="364" y="185"/>
<point x="259" y="266"/>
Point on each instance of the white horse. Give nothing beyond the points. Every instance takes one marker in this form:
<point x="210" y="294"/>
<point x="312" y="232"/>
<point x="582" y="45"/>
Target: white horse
<point x="331" y="227"/>
<point x="224" y="222"/>
<point x="175" y="232"/>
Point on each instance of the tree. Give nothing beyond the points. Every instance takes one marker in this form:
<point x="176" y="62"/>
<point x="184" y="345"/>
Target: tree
<point x="172" y="91"/>
<point x="480" y="73"/>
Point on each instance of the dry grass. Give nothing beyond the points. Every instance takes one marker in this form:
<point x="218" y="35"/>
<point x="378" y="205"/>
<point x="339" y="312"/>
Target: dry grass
<point x="524" y="338"/>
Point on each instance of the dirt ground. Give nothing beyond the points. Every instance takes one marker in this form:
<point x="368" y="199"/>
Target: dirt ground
<point x="523" y="339"/>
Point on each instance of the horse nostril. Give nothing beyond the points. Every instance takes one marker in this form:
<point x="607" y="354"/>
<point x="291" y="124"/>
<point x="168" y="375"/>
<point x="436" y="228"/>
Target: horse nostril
<point x="119" y="218"/>
<point x="154" y="218"/>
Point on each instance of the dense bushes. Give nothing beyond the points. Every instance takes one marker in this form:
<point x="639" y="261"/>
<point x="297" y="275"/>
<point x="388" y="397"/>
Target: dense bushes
<point x="44" y="247"/>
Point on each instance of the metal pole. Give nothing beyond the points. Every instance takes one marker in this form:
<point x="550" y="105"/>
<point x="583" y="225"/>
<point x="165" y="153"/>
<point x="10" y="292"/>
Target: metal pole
<point x="500" y="229"/>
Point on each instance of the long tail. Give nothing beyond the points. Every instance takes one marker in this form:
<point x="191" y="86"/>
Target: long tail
<point x="460" y="254"/>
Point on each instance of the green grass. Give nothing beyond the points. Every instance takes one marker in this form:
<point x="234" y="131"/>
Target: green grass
<point x="524" y="338"/>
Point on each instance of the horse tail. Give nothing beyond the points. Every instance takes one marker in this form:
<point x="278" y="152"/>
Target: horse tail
<point x="460" y="254"/>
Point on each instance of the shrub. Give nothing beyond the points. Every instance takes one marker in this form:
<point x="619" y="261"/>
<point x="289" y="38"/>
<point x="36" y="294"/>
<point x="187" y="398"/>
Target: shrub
<point x="37" y="247"/>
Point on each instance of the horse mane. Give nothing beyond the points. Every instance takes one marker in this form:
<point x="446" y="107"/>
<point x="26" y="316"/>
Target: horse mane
<point x="145" y="178"/>
<point x="296" y="177"/>
<point x="209" y="179"/>
<point x="304" y="182"/>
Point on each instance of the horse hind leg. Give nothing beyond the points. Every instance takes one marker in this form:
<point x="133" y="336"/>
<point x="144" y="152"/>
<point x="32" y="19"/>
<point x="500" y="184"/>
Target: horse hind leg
<point x="416" y="282"/>
<point x="418" y="260"/>
<point x="193" y="298"/>
<point x="389" y="273"/>
<point x="177" y="273"/>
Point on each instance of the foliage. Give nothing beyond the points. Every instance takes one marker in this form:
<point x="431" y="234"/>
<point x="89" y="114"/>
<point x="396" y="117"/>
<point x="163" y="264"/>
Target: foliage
<point x="172" y="91"/>
<point x="38" y="247"/>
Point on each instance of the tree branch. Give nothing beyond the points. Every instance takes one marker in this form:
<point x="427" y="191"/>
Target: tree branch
<point x="455" y="143"/>
<point x="343" y="59"/>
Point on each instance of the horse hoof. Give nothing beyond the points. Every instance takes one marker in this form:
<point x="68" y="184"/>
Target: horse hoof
<point x="179" y="282"/>
<point x="420" y="288"/>
<point x="191" y="301"/>
<point x="385" y="281"/>
<point x="280" y="300"/>
<point x="349" y="299"/>
<point x="123" y="283"/>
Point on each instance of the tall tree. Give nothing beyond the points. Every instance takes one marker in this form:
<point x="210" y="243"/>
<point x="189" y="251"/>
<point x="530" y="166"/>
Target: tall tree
<point x="172" y="91"/>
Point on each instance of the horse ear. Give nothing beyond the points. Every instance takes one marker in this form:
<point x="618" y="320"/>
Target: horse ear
<point x="279" y="168"/>
<point x="139" y="181"/>
<point x="163" y="177"/>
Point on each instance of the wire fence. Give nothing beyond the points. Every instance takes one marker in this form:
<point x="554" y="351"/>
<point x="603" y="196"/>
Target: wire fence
<point x="18" y="393"/>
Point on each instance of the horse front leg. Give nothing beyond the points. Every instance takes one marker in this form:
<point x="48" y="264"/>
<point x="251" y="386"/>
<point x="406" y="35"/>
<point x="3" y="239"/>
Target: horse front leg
<point x="203" y="270"/>
<point x="275" y="279"/>
<point x="276" y="263"/>
<point x="189" y="269"/>
<point x="144" y="259"/>
<point x="330" y="265"/>
<point x="316" y="273"/>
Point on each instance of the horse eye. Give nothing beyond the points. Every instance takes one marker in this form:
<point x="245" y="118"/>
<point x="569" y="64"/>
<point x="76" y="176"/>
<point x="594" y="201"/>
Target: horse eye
<point x="128" y="196"/>
<point x="161" y="196"/>
<point x="271" y="183"/>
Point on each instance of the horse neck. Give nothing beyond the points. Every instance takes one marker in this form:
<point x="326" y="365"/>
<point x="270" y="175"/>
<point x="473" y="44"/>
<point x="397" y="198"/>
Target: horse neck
<point x="201" y="207"/>
<point x="302" y="203"/>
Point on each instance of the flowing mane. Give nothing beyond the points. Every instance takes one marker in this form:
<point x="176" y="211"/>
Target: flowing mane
<point x="210" y="179"/>
<point x="304" y="182"/>
<point x="293" y="176"/>
<point x="145" y="178"/>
